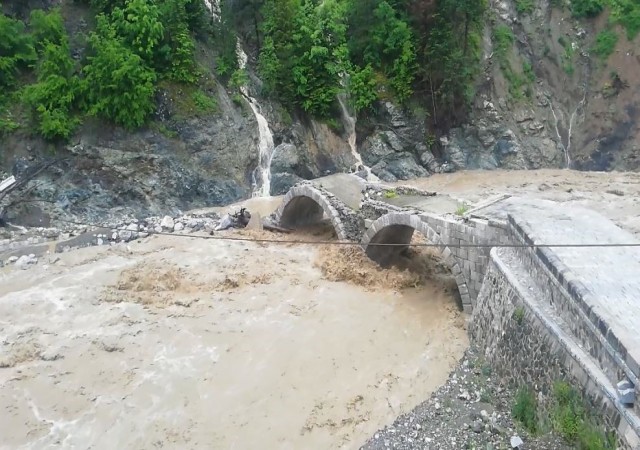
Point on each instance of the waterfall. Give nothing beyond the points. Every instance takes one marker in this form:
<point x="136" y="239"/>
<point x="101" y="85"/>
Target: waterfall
<point x="261" y="176"/>
<point x="349" y="123"/>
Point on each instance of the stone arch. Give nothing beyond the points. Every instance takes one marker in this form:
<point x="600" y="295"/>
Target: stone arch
<point x="398" y="228"/>
<point x="305" y="204"/>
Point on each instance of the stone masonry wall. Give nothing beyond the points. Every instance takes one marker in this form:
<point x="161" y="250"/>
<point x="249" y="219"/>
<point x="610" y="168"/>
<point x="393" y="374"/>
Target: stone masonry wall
<point x="565" y="306"/>
<point x="472" y="260"/>
<point x="525" y="349"/>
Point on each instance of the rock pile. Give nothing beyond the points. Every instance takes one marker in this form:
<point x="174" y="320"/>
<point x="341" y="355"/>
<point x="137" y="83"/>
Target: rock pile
<point x="20" y="240"/>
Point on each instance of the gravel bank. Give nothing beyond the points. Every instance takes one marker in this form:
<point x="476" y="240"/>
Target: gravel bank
<point x="472" y="410"/>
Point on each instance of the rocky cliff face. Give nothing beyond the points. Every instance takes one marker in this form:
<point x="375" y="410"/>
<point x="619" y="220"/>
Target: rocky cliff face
<point x="580" y="111"/>
<point x="557" y="106"/>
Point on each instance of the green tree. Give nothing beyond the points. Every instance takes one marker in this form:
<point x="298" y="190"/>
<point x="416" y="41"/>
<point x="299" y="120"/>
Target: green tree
<point x="16" y="50"/>
<point x="139" y="25"/>
<point x="176" y="54"/>
<point x="47" y="27"/>
<point x="320" y="56"/>
<point x="451" y="53"/>
<point x="119" y="85"/>
<point x="362" y="87"/>
<point x="53" y="97"/>
<point x="380" y="37"/>
<point x="277" y="54"/>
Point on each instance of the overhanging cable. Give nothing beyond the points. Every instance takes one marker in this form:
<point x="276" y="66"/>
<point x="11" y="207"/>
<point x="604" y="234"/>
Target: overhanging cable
<point x="372" y="244"/>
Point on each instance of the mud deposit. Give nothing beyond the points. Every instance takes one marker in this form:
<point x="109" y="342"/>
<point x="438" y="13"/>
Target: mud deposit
<point x="189" y="343"/>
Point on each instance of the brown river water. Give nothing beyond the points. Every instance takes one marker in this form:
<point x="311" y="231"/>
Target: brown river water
<point x="187" y="343"/>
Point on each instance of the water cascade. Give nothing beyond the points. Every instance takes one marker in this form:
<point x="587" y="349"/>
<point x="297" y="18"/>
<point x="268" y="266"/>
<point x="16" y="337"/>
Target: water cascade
<point x="261" y="176"/>
<point x="349" y="123"/>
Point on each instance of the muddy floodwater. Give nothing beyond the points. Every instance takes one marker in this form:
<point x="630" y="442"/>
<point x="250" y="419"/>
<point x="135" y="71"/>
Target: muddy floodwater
<point x="187" y="343"/>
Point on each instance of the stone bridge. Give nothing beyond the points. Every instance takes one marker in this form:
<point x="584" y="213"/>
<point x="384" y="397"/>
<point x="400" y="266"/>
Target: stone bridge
<point x="541" y="313"/>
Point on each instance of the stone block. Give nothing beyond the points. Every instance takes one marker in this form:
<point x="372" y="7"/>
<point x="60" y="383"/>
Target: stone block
<point x="626" y="392"/>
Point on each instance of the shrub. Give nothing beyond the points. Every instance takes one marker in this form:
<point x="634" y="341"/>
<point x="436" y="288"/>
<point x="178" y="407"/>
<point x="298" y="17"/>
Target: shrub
<point x="524" y="6"/>
<point x="525" y="409"/>
<point x="570" y="419"/>
<point x="605" y="43"/>
<point x="627" y="13"/>
<point x="586" y="8"/>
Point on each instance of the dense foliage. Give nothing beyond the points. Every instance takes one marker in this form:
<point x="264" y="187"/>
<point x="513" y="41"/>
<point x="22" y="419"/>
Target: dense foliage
<point x="309" y="52"/>
<point x="135" y="44"/>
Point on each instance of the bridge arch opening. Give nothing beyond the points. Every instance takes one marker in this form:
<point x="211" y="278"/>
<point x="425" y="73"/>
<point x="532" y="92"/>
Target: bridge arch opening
<point x="435" y="263"/>
<point x="306" y="209"/>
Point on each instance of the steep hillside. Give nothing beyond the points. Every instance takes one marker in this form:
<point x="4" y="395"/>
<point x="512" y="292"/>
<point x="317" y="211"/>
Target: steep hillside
<point x="558" y="91"/>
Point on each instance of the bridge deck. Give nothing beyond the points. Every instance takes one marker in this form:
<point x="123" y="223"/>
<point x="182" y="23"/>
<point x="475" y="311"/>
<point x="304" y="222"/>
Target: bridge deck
<point x="610" y="275"/>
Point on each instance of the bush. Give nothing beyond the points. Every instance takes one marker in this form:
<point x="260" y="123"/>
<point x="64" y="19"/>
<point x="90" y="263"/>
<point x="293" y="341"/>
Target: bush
<point x="586" y="8"/>
<point x="524" y="6"/>
<point x="605" y="43"/>
<point x="626" y="13"/>
<point x="525" y="409"/>
<point x="119" y="85"/>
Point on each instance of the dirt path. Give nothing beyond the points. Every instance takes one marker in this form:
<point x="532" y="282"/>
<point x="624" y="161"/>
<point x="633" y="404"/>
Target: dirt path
<point x="184" y="343"/>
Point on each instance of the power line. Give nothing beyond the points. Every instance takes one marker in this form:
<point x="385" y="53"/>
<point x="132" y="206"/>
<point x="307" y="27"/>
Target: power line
<point x="372" y="244"/>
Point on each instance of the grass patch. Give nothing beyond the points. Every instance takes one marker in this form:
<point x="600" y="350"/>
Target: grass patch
<point x="462" y="209"/>
<point x="502" y="41"/>
<point x="519" y="84"/>
<point x="163" y="130"/>
<point x="203" y="103"/>
<point x="189" y="101"/>
<point x="390" y="193"/>
<point x="518" y="315"/>
<point x="571" y="420"/>
<point x="525" y="409"/>
<point x="605" y="44"/>
<point x="524" y="6"/>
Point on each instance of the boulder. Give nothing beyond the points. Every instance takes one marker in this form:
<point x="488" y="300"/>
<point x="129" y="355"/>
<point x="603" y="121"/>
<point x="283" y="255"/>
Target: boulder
<point x="285" y="158"/>
<point x="25" y="261"/>
<point x="167" y="223"/>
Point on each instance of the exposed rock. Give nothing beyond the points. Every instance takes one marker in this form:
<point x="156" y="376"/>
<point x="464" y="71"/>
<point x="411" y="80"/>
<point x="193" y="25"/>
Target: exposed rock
<point x="285" y="158"/>
<point x="167" y="223"/>
<point x="282" y="182"/>
<point x="375" y="149"/>
<point x="25" y="261"/>
<point x="392" y="140"/>
<point x="179" y="226"/>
